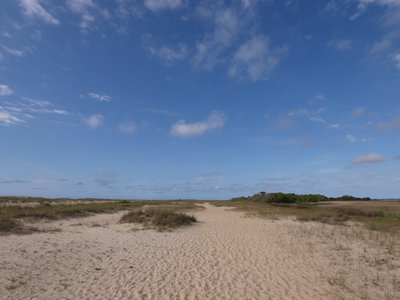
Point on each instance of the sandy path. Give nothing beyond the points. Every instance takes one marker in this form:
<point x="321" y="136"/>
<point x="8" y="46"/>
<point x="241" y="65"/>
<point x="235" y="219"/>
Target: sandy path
<point x="225" y="256"/>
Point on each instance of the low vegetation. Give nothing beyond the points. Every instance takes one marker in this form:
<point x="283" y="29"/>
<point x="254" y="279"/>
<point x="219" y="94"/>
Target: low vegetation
<point x="15" y="210"/>
<point x="159" y="218"/>
<point x="376" y="215"/>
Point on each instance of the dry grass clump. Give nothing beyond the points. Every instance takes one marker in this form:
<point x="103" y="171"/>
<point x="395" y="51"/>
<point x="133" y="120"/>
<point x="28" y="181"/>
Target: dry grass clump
<point x="158" y="218"/>
<point x="11" y="215"/>
<point x="376" y="215"/>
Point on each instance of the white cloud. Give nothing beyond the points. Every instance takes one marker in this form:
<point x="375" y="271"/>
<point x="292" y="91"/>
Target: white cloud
<point x="319" y="96"/>
<point x="170" y="54"/>
<point x="226" y="28"/>
<point x="17" y="112"/>
<point x="14" y="52"/>
<point x="94" y="121"/>
<point x="80" y="5"/>
<point x="363" y="5"/>
<point x="334" y="126"/>
<point x="317" y="119"/>
<point x="44" y="107"/>
<point x="302" y="111"/>
<point x="100" y="97"/>
<point x="396" y="60"/>
<point x="7" y="118"/>
<point x="310" y="114"/>
<point x="88" y="10"/>
<point x="128" y="127"/>
<point x="342" y="45"/>
<point x="254" y="59"/>
<point x="369" y="159"/>
<point x="156" y="5"/>
<point x="351" y="138"/>
<point x="33" y="8"/>
<point x="216" y="120"/>
<point x="248" y="3"/>
<point x="5" y="90"/>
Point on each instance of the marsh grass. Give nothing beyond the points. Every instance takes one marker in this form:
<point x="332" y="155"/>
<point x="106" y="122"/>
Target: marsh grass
<point x="11" y="216"/>
<point x="159" y="218"/>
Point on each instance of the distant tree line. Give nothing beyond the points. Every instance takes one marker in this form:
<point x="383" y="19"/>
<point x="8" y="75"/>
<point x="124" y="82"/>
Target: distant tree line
<point x="295" y="198"/>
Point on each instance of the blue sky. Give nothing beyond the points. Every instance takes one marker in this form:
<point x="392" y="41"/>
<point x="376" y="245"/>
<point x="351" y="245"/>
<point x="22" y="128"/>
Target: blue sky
<point x="199" y="99"/>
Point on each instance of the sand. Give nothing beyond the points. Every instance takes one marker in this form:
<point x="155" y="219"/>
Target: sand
<point x="226" y="255"/>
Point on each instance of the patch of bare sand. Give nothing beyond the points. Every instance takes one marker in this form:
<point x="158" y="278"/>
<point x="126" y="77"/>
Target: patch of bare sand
<point x="225" y="256"/>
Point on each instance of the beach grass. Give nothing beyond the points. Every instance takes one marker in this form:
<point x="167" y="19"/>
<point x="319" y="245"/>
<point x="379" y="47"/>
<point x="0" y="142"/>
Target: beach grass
<point x="159" y="218"/>
<point x="13" y="212"/>
<point x="375" y="215"/>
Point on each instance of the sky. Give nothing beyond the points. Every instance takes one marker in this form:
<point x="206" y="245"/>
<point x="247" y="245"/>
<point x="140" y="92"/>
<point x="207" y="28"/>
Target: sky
<point x="162" y="99"/>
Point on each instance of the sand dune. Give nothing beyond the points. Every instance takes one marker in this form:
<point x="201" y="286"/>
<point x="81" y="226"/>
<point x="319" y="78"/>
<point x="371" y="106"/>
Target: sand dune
<point x="227" y="255"/>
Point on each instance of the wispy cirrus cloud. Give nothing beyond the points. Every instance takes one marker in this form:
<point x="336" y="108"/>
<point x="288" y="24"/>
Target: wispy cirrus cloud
<point x="170" y="54"/>
<point x="23" y="112"/>
<point x="35" y="9"/>
<point x="5" y="90"/>
<point x="8" y="118"/>
<point x="234" y="41"/>
<point x="158" y="5"/>
<point x="15" y="52"/>
<point x="99" y="96"/>
<point x="226" y="25"/>
<point x="312" y="115"/>
<point x="182" y="129"/>
<point x="363" y="5"/>
<point x="372" y="158"/>
<point x="255" y="59"/>
<point x="88" y="10"/>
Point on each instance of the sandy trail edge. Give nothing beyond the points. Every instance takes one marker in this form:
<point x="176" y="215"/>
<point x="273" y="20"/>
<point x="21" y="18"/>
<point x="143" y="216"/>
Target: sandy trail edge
<point x="225" y="256"/>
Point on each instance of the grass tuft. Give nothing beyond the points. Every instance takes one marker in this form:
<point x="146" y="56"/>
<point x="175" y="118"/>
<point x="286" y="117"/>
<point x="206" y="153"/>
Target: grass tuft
<point x="159" y="218"/>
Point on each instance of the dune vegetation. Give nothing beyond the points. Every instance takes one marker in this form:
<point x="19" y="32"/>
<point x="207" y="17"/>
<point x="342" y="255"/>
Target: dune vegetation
<point x="159" y="218"/>
<point x="376" y="215"/>
<point x="15" y="211"/>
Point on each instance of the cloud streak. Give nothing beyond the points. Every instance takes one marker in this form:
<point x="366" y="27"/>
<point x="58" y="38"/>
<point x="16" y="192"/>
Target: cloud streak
<point x="215" y="121"/>
<point x="170" y="53"/>
<point x="99" y="97"/>
<point x="34" y="9"/>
